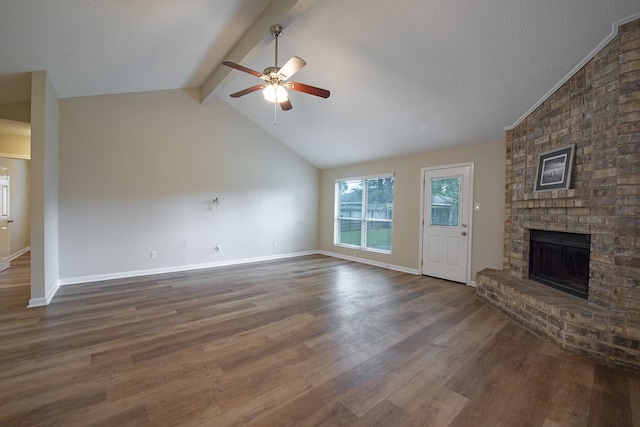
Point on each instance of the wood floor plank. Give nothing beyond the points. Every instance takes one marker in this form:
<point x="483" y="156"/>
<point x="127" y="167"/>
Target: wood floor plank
<point x="182" y="406"/>
<point x="305" y="341"/>
<point x="106" y="414"/>
<point x="364" y="397"/>
<point x="258" y="409"/>
<point x="237" y="387"/>
<point x="52" y="407"/>
<point x="486" y="406"/>
<point x="348" y="360"/>
<point x="634" y="398"/>
<point x="439" y="410"/>
<point x="529" y="404"/>
<point x="610" y="401"/>
<point x="570" y="403"/>
<point x="473" y="377"/>
<point x="383" y="414"/>
<point x="308" y="410"/>
<point x="492" y="387"/>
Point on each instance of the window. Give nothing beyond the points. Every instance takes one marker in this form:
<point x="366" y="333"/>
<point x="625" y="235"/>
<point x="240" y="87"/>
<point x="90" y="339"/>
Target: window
<point x="364" y="213"/>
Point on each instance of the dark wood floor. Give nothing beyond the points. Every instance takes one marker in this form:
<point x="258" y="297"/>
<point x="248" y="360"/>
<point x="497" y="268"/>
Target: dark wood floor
<point x="306" y="341"/>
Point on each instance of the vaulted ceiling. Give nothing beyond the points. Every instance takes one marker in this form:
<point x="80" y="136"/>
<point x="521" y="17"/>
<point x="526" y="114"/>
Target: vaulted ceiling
<point x="405" y="76"/>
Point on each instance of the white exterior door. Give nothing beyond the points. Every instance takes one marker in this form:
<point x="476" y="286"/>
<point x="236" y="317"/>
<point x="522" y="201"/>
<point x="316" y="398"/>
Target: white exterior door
<point x="5" y="252"/>
<point x="446" y="228"/>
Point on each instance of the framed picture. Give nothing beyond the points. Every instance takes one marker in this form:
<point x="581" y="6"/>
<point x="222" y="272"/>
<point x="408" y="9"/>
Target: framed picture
<point x="554" y="169"/>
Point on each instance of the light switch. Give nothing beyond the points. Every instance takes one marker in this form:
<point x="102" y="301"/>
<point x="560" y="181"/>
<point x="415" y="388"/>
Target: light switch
<point x="476" y="206"/>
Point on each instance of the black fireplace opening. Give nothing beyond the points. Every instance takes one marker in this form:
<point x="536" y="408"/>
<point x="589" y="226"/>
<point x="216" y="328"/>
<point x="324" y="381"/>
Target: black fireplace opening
<point x="560" y="260"/>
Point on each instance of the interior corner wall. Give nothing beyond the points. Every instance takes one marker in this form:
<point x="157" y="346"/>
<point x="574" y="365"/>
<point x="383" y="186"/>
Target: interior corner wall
<point x="44" y="189"/>
<point x="139" y="173"/>
<point x="19" y="200"/>
<point x="488" y="186"/>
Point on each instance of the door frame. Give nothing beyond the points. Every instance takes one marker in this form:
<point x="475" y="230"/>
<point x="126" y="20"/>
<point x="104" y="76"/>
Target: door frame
<point x="469" y="208"/>
<point x="5" y="220"/>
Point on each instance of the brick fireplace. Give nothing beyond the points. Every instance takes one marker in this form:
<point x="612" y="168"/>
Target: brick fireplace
<point x="598" y="110"/>
<point x="560" y="260"/>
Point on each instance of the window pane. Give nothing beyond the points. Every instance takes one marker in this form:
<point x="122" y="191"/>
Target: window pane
<point x="364" y="212"/>
<point x="445" y="196"/>
<point x="380" y="198"/>
<point x="351" y="199"/>
<point x="350" y="232"/>
<point x="379" y="235"/>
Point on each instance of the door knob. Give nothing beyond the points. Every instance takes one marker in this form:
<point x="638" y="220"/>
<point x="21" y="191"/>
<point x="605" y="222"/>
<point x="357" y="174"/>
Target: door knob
<point x="464" y="233"/>
<point x="10" y="221"/>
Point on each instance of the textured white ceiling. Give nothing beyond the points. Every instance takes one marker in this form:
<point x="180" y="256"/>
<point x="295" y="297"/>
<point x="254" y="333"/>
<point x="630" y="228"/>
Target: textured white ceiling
<point x="405" y="76"/>
<point x="93" y="47"/>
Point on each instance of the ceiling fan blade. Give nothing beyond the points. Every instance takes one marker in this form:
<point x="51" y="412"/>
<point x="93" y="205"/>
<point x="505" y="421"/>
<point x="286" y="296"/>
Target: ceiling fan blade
<point x="248" y="90"/>
<point x="242" y="68"/>
<point x="286" y="105"/>
<point x="311" y="90"/>
<point x="292" y="66"/>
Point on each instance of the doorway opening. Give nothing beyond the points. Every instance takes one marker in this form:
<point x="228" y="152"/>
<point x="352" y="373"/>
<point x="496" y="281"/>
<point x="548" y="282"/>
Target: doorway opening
<point x="15" y="221"/>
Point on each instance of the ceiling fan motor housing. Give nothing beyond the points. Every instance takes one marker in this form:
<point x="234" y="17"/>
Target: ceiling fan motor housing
<point x="272" y="72"/>
<point x="276" y="30"/>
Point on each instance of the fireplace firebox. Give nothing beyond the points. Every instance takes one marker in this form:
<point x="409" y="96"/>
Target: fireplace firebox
<point x="560" y="260"/>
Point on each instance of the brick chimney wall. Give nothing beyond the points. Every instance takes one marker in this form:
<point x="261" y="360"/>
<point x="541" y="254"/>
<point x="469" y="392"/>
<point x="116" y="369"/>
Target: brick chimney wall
<point x="598" y="110"/>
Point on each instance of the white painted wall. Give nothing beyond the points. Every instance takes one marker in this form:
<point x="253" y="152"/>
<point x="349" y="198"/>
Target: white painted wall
<point x="20" y="229"/>
<point x="488" y="223"/>
<point x="44" y="189"/>
<point x="136" y="174"/>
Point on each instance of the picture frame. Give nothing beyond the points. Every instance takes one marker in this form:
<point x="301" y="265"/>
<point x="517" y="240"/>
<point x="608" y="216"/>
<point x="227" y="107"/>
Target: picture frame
<point x="554" y="169"/>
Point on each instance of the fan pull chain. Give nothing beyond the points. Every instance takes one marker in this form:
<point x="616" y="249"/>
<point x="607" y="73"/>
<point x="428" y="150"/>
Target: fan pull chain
<point x="275" y="113"/>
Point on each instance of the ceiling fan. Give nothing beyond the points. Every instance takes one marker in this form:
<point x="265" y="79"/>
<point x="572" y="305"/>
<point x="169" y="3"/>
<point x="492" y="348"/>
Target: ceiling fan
<point x="276" y="79"/>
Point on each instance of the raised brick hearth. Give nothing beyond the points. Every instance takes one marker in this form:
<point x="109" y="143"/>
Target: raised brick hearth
<point x="598" y="110"/>
<point x="574" y="324"/>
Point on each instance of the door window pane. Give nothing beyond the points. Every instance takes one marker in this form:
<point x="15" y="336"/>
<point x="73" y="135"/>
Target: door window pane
<point x="445" y="201"/>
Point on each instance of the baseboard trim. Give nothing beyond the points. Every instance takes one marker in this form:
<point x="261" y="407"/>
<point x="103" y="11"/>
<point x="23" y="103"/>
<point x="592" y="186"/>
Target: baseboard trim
<point x="35" y="302"/>
<point x="39" y="302"/>
<point x="177" y="269"/>
<point x="370" y="262"/>
<point x="20" y="252"/>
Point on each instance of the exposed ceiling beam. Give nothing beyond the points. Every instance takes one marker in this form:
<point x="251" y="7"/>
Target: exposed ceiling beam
<point x="282" y="12"/>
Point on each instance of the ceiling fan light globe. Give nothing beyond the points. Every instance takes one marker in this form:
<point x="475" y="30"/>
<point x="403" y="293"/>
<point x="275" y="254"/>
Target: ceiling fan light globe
<point x="275" y="93"/>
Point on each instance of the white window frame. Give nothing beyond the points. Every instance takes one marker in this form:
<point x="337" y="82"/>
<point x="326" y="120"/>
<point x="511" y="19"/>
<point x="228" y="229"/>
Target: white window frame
<point x="363" y="217"/>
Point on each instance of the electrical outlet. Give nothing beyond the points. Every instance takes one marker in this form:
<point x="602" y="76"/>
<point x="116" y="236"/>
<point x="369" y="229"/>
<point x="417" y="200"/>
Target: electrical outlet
<point x="153" y="254"/>
<point x="275" y="244"/>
